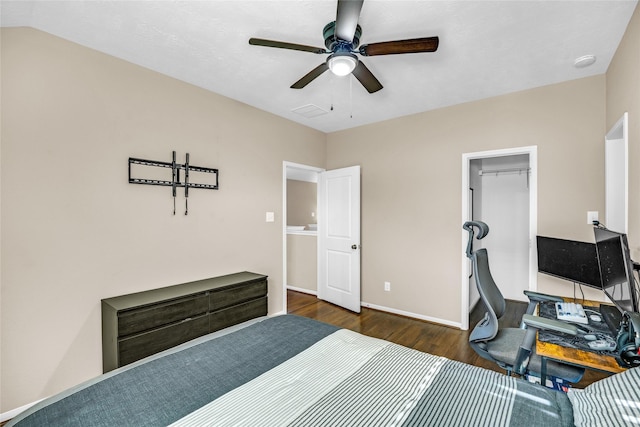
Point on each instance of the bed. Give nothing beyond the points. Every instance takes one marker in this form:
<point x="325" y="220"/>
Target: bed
<point x="294" y="371"/>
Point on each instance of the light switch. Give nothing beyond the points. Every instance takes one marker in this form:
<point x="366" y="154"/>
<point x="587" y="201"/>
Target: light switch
<point x="271" y="217"/>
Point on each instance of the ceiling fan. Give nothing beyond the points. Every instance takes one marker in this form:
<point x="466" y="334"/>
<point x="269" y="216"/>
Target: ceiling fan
<point x="341" y="38"/>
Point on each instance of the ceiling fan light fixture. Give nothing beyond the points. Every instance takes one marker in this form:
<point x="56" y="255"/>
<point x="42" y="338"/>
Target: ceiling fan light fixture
<point x="342" y="63"/>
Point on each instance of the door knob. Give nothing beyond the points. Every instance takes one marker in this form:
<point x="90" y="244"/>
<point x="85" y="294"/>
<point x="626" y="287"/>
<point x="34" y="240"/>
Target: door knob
<point x="354" y="246"/>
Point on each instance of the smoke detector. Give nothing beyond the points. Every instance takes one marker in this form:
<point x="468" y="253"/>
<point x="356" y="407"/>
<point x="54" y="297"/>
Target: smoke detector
<point x="584" y="61"/>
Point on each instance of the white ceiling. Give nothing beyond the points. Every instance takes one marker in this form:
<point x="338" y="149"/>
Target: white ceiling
<point x="487" y="48"/>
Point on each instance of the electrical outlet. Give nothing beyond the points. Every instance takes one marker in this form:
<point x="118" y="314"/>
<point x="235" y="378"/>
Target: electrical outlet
<point x="592" y="216"/>
<point x="387" y="286"/>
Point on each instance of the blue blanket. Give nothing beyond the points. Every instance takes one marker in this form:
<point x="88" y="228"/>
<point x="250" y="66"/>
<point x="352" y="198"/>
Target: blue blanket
<point x="165" y="389"/>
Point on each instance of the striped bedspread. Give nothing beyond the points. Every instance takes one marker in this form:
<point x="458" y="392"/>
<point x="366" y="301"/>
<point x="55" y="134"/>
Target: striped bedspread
<point x="292" y="371"/>
<point x="352" y="380"/>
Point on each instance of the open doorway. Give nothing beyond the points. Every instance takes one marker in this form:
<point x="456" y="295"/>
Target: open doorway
<point x="500" y="188"/>
<point x="300" y="259"/>
<point x="337" y="258"/>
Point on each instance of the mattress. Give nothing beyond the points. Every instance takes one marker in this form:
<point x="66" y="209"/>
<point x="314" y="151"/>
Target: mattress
<point x="290" y="370"/>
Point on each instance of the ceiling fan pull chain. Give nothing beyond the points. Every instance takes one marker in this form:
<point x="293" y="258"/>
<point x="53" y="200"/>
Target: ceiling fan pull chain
<point x="332" y="83"/>
<point x="351" y="97"/>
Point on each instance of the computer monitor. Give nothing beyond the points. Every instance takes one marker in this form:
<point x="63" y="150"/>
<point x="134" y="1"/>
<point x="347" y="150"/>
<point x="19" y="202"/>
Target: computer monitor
<point x="616" y="268"/>
<point x="570" y="260"/>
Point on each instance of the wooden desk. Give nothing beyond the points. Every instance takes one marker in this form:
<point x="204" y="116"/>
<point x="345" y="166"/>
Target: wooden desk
<point x="577" y="357"/>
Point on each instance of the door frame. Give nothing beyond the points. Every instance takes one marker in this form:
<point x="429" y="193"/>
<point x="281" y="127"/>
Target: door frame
<point x="532" y="151"/>
<point x="616" y="144"/>
<point x="287" y="169"/>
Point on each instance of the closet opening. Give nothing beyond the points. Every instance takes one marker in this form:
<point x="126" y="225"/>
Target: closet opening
<point x="500" y="189"/>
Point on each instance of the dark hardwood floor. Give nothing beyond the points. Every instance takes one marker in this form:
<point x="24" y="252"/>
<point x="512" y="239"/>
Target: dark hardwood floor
<point x="421" y="335"/>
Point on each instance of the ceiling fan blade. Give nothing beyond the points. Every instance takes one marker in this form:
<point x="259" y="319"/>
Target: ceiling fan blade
<point x="425" y="44"/>
<point x="310" y="76"/>
<point x="367" y="78"/>
<point x="285" y="45"/>
<point x="347" y="17"/>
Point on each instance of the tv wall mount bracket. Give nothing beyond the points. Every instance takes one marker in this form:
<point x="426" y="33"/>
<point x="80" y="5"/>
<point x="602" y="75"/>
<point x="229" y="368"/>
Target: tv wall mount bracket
<point x="178" y="178"/>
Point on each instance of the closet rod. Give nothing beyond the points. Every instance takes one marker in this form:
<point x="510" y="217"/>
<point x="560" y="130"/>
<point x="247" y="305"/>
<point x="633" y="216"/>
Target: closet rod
<point x="498" y="171"/>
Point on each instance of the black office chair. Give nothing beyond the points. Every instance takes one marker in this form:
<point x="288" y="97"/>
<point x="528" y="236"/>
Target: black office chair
<point x="513" y="349"/>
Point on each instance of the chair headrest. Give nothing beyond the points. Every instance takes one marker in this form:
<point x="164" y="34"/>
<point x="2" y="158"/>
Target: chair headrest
<point x="483" y="230"/>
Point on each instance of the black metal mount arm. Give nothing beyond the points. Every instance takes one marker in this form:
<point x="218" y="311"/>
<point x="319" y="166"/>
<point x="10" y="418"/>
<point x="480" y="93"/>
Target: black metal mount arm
<point x="175" y="176"/>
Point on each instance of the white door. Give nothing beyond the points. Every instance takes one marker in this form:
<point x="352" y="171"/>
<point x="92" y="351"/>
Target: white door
<point x="339" y="237"/>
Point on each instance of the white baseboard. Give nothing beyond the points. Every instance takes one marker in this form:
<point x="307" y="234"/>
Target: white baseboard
<point x="277" y="313"/>
<point x="6" y="416"/>
<point x="389" y="310"/>
<point x="303" y="290"/>
<point x="414" y="315"/>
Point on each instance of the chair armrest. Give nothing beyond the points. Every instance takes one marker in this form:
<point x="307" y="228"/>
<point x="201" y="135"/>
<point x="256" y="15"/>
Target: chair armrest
<point x="535" y="298"/>
<point x="540" y="323"/>
<point x="538" y="297"/>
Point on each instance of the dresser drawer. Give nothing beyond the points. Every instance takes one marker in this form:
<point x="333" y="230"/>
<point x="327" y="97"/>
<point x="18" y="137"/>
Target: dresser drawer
<point x="237" y="294"/>
<point x="140" y="324"/>
<point x="143" y="319"/>
<point x="237" y="314"/>
<point x="140" y="346"/>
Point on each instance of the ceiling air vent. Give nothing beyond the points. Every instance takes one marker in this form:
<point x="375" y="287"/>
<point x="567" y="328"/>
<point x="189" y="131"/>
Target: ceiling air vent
<point x="310" y="111"/>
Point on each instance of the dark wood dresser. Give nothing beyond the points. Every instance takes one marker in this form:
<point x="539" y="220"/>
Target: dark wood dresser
<point x="138" y="325"/>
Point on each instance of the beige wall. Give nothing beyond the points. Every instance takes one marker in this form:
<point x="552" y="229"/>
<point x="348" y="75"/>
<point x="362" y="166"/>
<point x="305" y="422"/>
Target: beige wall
<point x="302" y="201"/>
<point x="302" y="262"/>
<point x="411" y="185"/>
<point x="623" y="95"/>
<point x="75" y="231"/>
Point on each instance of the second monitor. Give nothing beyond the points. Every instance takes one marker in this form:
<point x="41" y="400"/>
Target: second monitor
<point x="570" y="260"/>
<point x="616" y="268"/>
